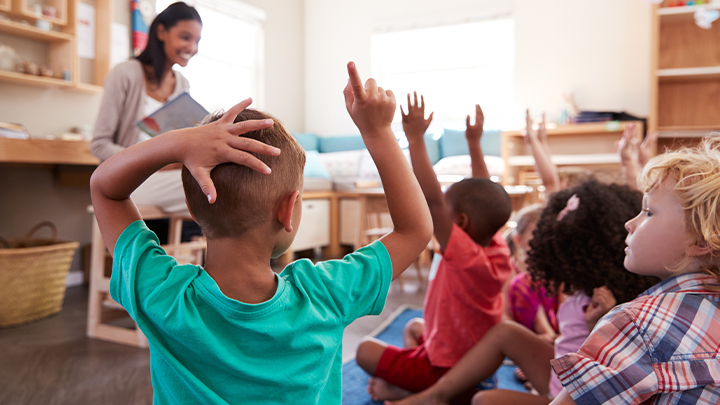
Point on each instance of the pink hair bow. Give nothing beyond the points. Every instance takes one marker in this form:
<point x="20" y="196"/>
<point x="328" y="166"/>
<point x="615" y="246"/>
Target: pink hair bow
<point x="572" y="204"/>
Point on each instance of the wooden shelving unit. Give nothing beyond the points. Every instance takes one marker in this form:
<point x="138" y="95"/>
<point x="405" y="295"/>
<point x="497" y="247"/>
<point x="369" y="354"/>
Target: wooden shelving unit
<point x="685" y="76"/>
<point x="60" y="44"/>
<point x="591" y="146"/>
<point x="26" y="9"/>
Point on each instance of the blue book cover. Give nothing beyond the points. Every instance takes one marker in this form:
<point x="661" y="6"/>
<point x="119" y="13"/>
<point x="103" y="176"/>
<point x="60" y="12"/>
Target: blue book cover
<point x="181" y="112"/>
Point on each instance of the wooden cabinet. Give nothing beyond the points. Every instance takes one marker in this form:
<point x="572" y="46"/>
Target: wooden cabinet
<point x="591" y="146"/>
<point x="685" y="72"/>
<point x="56" y="48"/>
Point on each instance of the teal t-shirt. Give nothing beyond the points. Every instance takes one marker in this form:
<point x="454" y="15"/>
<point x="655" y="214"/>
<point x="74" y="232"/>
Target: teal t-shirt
<point x="206" y="348"/>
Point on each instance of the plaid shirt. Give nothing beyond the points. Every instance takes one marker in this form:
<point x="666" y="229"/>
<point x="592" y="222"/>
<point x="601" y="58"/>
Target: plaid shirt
<point x="661" y="348"/>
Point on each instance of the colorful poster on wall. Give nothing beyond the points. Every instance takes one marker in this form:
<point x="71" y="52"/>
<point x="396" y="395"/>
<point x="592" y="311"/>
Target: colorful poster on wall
<point x="141" y="10"/>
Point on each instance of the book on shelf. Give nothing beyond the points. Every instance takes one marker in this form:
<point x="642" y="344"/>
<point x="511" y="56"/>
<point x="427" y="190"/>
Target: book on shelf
<point x="181" y="112"/>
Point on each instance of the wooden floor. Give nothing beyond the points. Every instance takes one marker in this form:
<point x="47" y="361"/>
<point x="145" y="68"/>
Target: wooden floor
<point x="51" y="361"/>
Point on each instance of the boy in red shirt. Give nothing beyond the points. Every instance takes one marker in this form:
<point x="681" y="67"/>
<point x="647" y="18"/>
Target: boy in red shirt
<point x="464" y="298"/>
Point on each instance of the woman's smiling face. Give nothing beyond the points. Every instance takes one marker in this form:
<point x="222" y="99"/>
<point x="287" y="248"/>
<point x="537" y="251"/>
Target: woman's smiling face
<point x="180" y="42"/>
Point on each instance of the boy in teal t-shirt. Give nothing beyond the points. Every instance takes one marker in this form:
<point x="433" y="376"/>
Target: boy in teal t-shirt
<point x="234" y="331"/>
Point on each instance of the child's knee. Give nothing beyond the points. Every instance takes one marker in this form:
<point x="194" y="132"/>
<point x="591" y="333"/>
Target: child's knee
<point x="368" y="354"/>
<point x="415" y="326"/>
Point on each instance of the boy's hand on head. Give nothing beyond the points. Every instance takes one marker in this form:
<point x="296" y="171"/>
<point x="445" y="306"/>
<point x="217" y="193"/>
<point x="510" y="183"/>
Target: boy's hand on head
<point x="414" y="122"/>
<point x="371" y="107"/>
<point x="473" y="133"/>
<point x="202" y="148"/>
<point x="601" y="302"/>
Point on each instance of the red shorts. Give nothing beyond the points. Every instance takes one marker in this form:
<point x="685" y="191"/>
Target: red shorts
<point x="410" y="369"/>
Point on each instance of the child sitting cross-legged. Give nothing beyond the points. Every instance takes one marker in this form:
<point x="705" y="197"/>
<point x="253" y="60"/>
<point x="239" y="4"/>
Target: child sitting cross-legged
<point x="464" y="299"/>
<point x="576" y="249"/>
<point x="662" y="348"/>
<point x="234" y="331"/>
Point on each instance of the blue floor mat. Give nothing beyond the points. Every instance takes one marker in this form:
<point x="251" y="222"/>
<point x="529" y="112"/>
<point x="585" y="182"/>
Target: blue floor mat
<point x="355" y="380"/>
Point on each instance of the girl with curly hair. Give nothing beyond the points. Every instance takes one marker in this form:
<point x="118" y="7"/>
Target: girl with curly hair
<point x="576" y="249"/>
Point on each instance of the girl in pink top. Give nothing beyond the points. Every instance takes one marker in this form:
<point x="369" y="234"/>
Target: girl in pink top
<point x="576" y="250"/>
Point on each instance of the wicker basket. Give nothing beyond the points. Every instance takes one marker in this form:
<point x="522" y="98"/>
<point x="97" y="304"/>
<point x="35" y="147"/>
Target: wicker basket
<point x="32" y="276"/>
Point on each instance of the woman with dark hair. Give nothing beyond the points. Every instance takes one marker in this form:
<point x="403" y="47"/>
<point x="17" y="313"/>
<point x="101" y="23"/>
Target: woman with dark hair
<point x="138" y="87"/>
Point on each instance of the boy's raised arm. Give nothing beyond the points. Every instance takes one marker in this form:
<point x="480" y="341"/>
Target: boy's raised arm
<point x="474" y="133"/>
<point x="200" y="149"/>
<point x="415" y="125"/>
<point x="372" y="109"/>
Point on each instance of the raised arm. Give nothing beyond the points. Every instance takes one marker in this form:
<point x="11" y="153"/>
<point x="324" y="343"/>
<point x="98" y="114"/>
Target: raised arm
<point x="200" y="149"/>
<point x="415" y="125"/>
<point x="543" y="164"/>
<point x="474" y="133"/>
<point x="372" y="109"/>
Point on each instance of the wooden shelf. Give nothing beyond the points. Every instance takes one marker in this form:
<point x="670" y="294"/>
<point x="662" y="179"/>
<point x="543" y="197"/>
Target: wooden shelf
<point x="22" y="78"/>
<point x="685" y="129"/>
<point x="682" y="13"/>
<point x="28" y="31"/>
<point x="565" y="160"/>
<point x="86" y="88"/>
<point x="44" y="151"/>
<point x="575" y="129"/>
<point x="27" y="13"/>
<point x="682" y="74"/>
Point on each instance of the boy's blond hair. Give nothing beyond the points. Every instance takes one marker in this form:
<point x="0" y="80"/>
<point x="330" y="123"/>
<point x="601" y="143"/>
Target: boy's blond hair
<point x="246" y="198"/>
<point x="697" y="173"/>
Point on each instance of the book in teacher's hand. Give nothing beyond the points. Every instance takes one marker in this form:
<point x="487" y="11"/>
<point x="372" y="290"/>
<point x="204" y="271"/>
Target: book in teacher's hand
<point x="181" y="112"/>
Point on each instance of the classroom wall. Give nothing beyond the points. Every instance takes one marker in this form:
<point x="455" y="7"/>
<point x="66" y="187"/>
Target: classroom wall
<point x="598" y="49"/>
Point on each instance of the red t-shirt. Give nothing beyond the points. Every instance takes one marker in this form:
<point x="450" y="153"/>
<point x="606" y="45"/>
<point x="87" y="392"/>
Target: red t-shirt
<point x="464" y="300"/>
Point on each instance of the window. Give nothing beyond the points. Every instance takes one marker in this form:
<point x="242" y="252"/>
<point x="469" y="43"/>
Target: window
<point x="454" y="67"/>
<point x="229" y="64"/>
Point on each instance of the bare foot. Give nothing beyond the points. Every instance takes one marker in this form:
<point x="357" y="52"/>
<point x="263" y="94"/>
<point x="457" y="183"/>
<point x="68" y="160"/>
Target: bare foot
<point x="381" y="390"/>
<point x="426" y="397"/>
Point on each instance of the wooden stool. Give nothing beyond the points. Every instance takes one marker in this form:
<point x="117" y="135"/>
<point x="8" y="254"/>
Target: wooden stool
<point x="101" y="307"/>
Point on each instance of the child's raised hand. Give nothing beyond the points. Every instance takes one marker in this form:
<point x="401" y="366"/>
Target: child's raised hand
<point x="414" y="122"/>
<point x="646" y="150"/>
<point x="542" y="130"/>
<point x="529" y="134"/>
<point x="371" y="107"/>
<point x="601" y="302"/>
<point x="202" y="148"/>
<point x="473" y="133"/>
<point x="627" y="146"/>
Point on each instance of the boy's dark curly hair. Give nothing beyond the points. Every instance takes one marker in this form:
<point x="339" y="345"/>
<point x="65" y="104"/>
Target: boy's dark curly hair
<point x="585" y="249"/>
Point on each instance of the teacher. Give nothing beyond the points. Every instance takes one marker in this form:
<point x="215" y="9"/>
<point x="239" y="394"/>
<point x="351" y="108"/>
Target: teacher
<point x="136" y="88"/>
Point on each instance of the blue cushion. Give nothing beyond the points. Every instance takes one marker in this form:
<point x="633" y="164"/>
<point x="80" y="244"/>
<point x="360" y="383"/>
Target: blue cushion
<point x="340" y="143"/>
<point x="453" y="143"/>
<point x="432" y="144"/>
<point x="307" y="141"/>
<point x="314" y="167"/>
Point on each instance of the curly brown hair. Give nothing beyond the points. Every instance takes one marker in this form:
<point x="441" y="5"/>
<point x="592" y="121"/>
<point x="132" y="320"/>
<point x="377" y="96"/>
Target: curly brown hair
<point x="585" y="248"/>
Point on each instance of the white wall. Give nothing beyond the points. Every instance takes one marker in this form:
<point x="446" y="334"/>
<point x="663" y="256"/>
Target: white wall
<point x="284" y="53"/>
<point x="598" y="49"/>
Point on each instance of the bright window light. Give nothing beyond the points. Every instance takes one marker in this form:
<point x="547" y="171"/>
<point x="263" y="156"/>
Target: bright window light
<point x="454" y="67"/>
<point x="228" y="66"/>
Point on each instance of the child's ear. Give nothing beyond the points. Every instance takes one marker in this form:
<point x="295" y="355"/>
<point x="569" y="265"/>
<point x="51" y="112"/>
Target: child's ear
<point x="287" y="207"/>
<point x="189" y="210"/>
<point x="463" y="221"/>
<point x="698" y="249"/>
